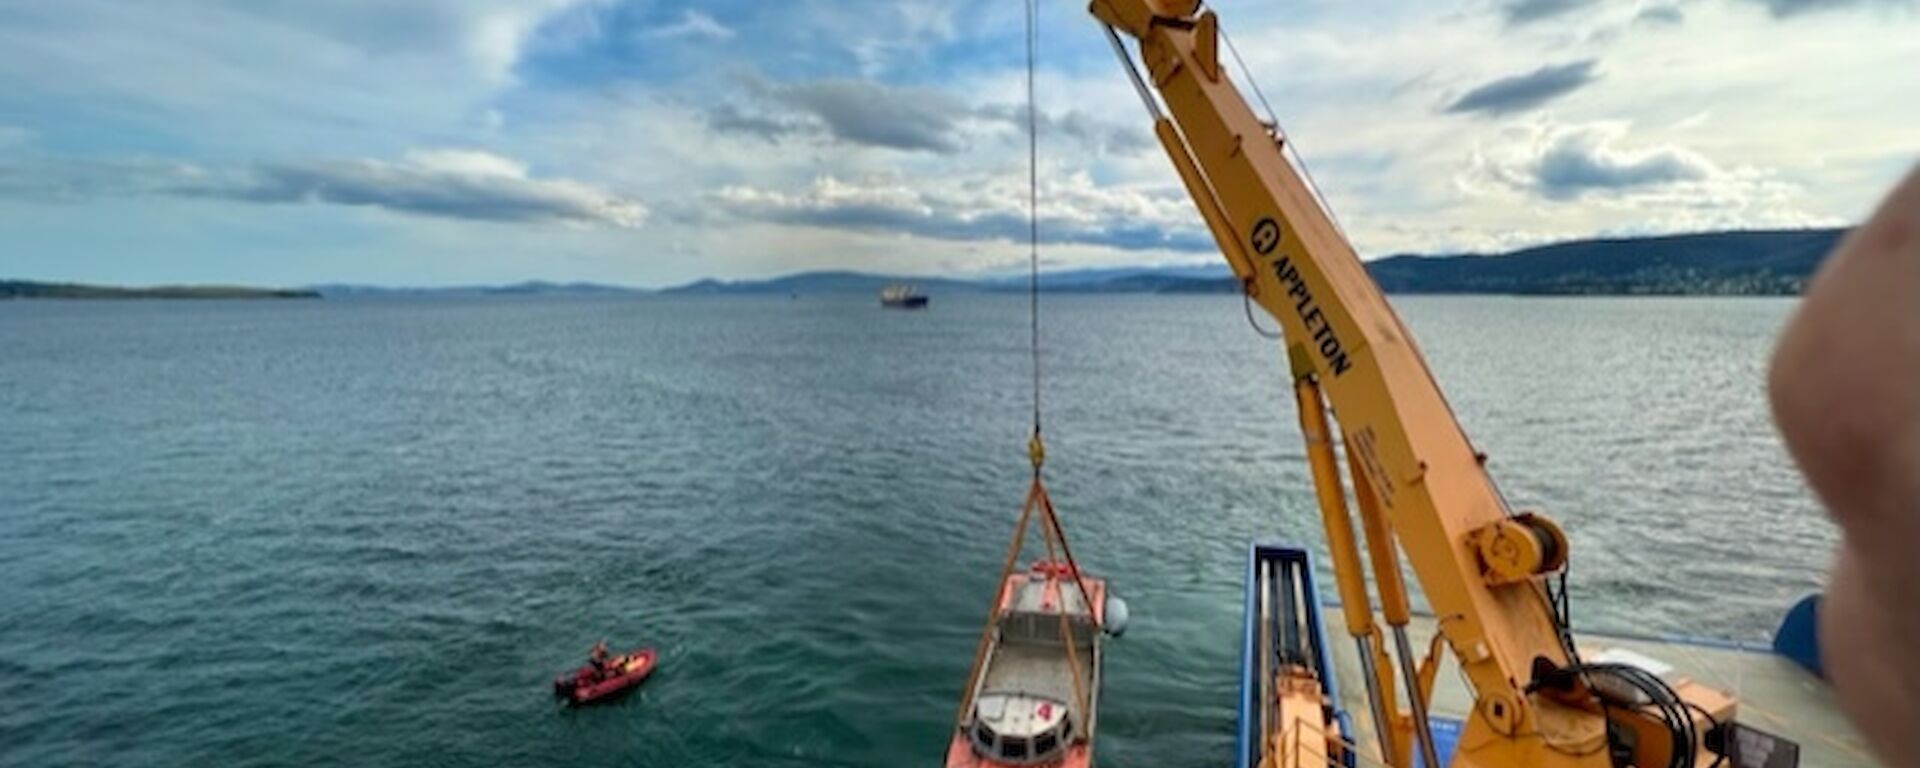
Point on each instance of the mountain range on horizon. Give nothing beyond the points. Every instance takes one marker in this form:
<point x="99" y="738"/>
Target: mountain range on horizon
<point x="1764" y="262"/>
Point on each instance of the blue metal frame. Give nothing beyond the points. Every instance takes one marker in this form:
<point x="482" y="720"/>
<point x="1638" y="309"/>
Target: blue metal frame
<point x="1300" y="562"/>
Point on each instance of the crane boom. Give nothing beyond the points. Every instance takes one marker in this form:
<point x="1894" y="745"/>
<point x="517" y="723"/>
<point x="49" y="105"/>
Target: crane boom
<point x="1417" y="478"/>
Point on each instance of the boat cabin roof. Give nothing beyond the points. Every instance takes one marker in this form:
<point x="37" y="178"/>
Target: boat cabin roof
<point x="1020" y="728"/>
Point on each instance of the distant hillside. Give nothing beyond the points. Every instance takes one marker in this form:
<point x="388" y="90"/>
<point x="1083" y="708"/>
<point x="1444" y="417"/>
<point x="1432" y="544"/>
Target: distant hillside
<point x="1155" y="281"/>
<point x="1713" y="263"/>
<point x="23" y="289"/>
<point x="530" y="288"/>
<point x="814" y="283"/>
<point x="1100" y="280"/>
<point x="1716" y="263"/>
<point x="1112" y="279"/>
<point x="1776" y="262"/>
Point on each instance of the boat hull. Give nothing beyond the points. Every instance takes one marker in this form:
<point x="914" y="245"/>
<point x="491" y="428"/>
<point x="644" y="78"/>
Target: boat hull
<point x="582" y="686"/>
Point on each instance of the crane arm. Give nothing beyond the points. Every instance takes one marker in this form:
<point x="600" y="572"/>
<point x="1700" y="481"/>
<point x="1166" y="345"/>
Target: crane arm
<point x="1415" y="472"/>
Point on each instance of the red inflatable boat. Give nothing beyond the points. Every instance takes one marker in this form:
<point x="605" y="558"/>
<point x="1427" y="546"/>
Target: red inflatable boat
<point x="620" y="674"/>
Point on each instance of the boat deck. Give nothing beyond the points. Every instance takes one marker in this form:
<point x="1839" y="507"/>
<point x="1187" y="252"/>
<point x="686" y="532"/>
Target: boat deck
<point x="1775" y="695"/>
<point x="1028" y="656"/>
<point x="1039" y="669"/>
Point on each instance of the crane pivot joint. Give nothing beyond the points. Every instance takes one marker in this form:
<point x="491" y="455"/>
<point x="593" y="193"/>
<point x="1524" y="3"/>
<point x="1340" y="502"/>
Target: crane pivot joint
<point x="1519" y="548"/>
<point x="1136" y="16"/>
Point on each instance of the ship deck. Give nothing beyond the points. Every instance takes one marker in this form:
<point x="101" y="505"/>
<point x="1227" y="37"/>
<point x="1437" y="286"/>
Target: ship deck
<point x="1035" y="669"/>
<point x="1027" y="654"/>
<point x="1775" y="695"/>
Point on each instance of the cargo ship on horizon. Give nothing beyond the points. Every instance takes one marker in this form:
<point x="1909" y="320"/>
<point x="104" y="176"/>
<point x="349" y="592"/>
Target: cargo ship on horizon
<point x="903" y="297"/>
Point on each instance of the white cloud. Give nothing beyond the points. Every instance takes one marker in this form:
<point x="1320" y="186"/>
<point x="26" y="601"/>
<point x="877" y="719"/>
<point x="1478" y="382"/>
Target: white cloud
<point x="352" y="76"/>
<point x="461" y="184"/>
<point x="901" y="119"/>
<point x="446" y="183"/>
<point x="1073" y="210"/>
<point x="880" y="36"/>
<point x="870" y="113"/>
<point x="468" y="163"/>
<point x="1805" y="126"/>
<point x="693" y="23"/>
<point x="1694" y="120"/>
<point x="1568" y="162"/>
<point x="1660" y="187"/>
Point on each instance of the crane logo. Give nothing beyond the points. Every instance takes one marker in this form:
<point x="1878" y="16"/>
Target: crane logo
<point x="1266" y="236"/>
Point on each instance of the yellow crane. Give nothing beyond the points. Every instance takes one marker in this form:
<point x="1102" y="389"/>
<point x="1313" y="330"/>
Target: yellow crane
<point x="1418" y="485"/>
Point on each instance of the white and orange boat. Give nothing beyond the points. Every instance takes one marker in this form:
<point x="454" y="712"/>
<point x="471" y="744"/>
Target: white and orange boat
<point x="1034" y="698"/>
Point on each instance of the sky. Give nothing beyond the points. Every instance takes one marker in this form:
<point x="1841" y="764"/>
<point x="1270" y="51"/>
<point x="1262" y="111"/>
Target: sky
<point x="651" y="143"/>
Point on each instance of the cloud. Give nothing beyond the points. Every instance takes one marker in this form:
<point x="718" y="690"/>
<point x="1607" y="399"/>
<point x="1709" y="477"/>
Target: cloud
<point x="1577" y="162"/>
<point x="572" y="87"/>
<point x="1083" y="129"/>
<point x="1563" y="162"/>
<point x="1660" y="15"/>
<point x="458" y="184"/>
<point x="75" y="181"/>
<point x="880" y="36"/>
<point x="1784" y="8"/>
<point x="1521" y="92"/>
<point x="1594" y="172"/>
<point x="1073" y="210"/>
<point x="693" y="23"/>
<point x="368" y="73"/>
<point x="730" y="118"/>
<point x="1518" y="12"/>
<point x="914" y="119"/>
<point x="1103" y="137"/>
<point x="1694" y="120"/>
<point x="497" y="35"/>
<point x="860" y="112"/>
<point x="490" y="34"/>
<point x="866" y="112"/>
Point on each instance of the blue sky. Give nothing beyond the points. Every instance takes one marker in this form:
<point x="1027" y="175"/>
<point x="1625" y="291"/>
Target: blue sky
<point x="646" y="142"/>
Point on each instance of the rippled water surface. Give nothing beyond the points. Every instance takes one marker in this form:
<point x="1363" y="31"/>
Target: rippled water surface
<point x="368" y="532"/>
